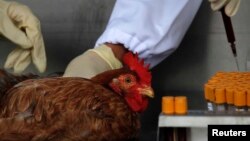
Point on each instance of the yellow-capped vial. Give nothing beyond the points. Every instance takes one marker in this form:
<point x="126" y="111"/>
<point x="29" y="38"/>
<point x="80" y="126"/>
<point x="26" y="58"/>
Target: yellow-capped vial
<point x="230" y="99"/>
<point x="209" y="96"/>
<point x="220" y="99"/>
<point x="168" y="104"/>
<point x="180" y="104"/>
<point x="240" y="100"/>
<point x="248" y="99"/>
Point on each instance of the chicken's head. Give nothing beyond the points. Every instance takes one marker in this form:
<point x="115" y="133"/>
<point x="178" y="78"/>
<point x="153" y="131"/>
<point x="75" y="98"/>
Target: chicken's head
<point x="134" y="85"/>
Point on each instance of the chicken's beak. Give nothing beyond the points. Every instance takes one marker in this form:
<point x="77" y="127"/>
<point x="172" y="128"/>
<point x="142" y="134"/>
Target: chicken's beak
<point x="147" y="91"/>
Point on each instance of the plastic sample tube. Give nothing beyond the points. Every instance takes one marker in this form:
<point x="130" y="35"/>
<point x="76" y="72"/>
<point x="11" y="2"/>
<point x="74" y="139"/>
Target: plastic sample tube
<point x="180" y="104"/>
<point x="168" y="104"/>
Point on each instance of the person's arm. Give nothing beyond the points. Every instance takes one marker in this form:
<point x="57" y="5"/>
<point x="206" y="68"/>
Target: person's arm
<point x="153" y="29"/>
<point x="118" y="49"/>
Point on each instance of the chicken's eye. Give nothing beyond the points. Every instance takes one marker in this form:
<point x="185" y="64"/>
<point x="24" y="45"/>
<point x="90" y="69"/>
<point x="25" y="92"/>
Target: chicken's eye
<point x="128" y="80"/>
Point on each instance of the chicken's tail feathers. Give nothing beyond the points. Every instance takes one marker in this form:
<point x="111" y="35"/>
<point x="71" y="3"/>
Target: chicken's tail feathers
<point x="8" y="80"/>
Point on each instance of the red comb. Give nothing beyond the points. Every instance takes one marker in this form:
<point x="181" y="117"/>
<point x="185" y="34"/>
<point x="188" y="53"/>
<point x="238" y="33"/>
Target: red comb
<point x="142" y="70"/>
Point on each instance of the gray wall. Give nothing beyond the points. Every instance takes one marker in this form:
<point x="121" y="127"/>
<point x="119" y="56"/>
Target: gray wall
<point x="71" y="27"/>
<point x="68" y="27"/>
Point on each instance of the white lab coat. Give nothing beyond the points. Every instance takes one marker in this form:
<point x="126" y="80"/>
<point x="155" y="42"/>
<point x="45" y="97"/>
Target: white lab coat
<point x="151" y="28"/>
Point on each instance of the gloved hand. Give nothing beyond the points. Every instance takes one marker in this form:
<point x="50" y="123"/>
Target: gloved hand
<point x="92" y="62"/>
<point x="19" y="25"/>
<point x="231" y="6"/>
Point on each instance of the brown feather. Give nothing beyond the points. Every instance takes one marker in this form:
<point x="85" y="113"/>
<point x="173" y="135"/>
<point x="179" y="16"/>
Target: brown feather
<point x="66" y="109"/>
<point x="8" y="80"/>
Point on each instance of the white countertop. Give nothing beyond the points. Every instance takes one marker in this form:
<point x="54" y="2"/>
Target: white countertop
<point x="203" y="119"/>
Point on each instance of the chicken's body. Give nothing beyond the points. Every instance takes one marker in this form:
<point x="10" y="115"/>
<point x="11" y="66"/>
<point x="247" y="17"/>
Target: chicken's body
<point x="55" y="114"/>
<point x="104" y="108"/>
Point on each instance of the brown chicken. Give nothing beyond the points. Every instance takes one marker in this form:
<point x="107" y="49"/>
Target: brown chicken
<point x="105" y="108"/>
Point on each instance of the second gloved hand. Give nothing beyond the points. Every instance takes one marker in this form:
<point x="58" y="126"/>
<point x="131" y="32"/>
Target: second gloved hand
<point x="92" y="62"/>
<point x="231" y="6"/>
<point x="19" y="25"/>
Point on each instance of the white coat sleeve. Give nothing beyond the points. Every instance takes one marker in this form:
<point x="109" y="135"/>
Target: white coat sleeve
<point x="151" y="28"/>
